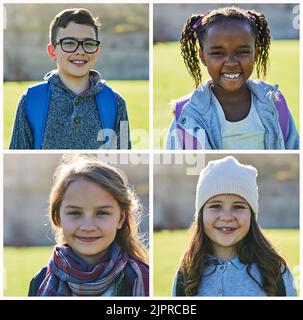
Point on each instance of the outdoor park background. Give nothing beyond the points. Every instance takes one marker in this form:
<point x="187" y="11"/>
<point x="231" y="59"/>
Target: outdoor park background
<point x="172" y="81"/>
<point x="174" y="200"/>
<point x="27" y="233"/>
<point x="124" y="59"/>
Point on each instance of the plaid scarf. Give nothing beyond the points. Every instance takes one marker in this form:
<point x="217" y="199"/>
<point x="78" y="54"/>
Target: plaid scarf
<point x="69" y="275"/>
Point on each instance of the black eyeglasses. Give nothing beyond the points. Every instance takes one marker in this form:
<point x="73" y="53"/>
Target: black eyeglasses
<point x="71" y="45"/>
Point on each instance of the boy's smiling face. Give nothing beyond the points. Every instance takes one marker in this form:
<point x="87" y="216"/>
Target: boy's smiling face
<point x="77" y="65"/>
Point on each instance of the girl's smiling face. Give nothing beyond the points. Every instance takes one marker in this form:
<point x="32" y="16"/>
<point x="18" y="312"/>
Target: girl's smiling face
<point x="226" y="221"/>
<point x="229" y="54"/>
<point x="89" y="218"/>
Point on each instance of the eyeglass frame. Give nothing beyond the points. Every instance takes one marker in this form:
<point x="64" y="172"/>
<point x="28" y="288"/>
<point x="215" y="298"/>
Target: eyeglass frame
<point x="80" y="43"/>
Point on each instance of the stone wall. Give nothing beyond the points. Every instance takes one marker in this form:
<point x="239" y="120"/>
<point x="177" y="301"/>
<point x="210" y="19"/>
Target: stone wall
<point x="278" y="181"/>
<point x="27" y="183"/>
<point x="124" y="40"/>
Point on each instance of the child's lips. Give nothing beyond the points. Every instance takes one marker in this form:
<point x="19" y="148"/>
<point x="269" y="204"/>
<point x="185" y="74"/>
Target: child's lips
<point x="226" y="230"/>
<point x="232" y="76"/>
<point x="78" y="63"/>
<point x="88" y="239"/>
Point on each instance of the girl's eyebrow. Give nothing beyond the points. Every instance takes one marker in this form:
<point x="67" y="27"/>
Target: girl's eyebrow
<point x="106" y="206"/>
<point x="220" y="201"/>
<point x="244" y="46"/>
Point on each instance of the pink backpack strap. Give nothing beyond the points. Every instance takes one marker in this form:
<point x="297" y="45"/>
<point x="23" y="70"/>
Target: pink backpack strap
<point x="283" y="112"/>
<point x="187" y="140"/>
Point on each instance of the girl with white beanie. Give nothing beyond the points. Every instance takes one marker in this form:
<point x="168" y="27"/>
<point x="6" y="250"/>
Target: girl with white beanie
<point x="228" y="255"/>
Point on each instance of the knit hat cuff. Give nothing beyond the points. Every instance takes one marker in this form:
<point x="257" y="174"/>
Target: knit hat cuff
<point x="209" y="191"/>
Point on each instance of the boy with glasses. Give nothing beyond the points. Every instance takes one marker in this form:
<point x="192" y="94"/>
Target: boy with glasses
<point x="73" y="109"/>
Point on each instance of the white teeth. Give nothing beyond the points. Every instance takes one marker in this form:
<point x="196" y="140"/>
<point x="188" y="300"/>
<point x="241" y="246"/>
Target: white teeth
<point x="231" y="76"/>
<point x="78" y="61"/>
<point x="225" y="229"/>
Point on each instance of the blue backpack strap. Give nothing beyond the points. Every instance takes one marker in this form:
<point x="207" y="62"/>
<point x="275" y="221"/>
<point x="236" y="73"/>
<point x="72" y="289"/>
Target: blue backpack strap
<point x="36" y="108"/>
<point x="107" y="106"/>
<point x="283" y="112"/>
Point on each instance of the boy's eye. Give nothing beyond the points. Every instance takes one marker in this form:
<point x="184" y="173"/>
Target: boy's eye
<point x="90" y="44"/>
<point x="69" y="43"/>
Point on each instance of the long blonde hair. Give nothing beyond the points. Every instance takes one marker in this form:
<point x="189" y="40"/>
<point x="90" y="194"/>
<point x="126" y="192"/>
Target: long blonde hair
<point x="114" y="181"/>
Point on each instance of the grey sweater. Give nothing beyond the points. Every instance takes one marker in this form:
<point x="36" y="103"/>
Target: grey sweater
<point x="73" y="121"/>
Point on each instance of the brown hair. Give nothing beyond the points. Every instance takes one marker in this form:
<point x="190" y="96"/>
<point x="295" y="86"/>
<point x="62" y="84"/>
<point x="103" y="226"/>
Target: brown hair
<point x="253" y="249"/>
<point x="113" y="181"/>
<point x="77" y="15"/>
<point x="196" y="26"/>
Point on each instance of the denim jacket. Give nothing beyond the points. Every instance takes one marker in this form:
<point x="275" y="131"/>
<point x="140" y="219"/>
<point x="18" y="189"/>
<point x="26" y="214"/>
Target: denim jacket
<point x="200" y="120"/>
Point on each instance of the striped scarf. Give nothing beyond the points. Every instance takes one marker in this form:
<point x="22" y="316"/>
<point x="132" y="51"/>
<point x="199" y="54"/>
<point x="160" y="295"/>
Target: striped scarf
<point x="68" y="275"/>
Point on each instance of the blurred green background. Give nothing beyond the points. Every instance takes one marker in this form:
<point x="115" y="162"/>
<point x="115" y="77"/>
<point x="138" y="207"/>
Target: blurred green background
<point x="135" y="93"/>
<point x="169" y="246"/>
<point x="172" y="81"/>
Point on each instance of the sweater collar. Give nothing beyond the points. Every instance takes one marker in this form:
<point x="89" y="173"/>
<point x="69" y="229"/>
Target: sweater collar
<point x="217" y="261"/>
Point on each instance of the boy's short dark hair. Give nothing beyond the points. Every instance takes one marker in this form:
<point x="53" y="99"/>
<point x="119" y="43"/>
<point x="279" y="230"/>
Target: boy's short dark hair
<point x="77" y="15"/>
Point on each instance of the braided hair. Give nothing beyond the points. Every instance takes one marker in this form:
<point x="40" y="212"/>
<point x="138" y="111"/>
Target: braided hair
<point x="195" y="29"/>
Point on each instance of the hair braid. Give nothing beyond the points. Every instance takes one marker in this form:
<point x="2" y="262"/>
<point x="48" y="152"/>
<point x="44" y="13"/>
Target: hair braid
<point x="189" y="48"/>
<point x="197" y="25"/>
<point x="263" y="40"/>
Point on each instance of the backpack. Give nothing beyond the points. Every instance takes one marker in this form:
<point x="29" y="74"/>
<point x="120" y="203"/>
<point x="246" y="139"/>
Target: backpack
<point x="280" y="104"/>
<point x="37" y="102"/>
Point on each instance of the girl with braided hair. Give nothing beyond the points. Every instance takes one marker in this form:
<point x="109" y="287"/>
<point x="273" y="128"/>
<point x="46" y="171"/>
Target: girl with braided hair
<point x="231" y="110"/>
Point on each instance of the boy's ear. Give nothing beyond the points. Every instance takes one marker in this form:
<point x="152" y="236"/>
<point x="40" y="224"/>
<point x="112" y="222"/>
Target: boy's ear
<point x="51" y="51"/>
<point x="122" y="219"/>
<point x="98" y="52"/>
<point x="202" y="57"/>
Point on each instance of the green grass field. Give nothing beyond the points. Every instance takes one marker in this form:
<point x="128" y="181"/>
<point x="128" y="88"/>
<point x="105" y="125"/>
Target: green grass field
<point x="135" y="93"/>
<point x="20" y="265"/>
<point x="170" y="245"/>
<point x="172" y="81"/>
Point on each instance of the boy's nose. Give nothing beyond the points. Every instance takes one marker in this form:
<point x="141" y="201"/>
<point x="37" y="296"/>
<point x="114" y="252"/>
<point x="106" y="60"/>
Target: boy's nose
<point x="80" y="49"/>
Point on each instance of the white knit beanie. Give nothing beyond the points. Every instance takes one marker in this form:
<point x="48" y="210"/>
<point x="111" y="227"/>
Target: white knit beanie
<point x="227" y="176"/>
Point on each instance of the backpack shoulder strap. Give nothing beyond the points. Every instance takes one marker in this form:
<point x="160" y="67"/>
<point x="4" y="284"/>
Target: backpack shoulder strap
<point x="282" y="109"/>
<point x="180" y="103"/>
<point x="36" y="108"/>
<point x="107" y="107"/>
<point x="186" y="140"/>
